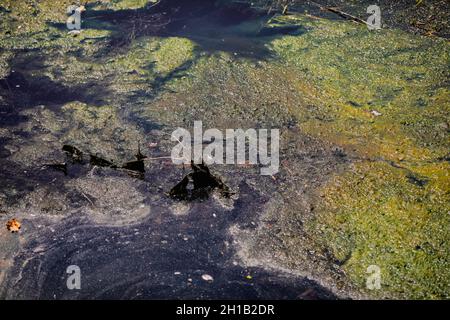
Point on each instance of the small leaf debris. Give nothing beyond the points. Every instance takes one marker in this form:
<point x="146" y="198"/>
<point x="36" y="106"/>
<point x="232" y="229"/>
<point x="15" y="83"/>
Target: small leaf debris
<point x="13" y="225"/>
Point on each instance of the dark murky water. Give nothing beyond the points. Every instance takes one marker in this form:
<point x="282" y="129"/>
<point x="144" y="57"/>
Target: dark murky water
<point x="162" y="257"/>
<point x="165" y="255"/>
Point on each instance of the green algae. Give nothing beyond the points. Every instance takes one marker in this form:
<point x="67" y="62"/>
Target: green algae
<point x="374" y="213"/>
<point x="328" y="80"/>
<point x="104" y="82"/>
<point x="24" y="17"/>
<point x="130" y="4"/>
<point x="376" y="216"/>
<point x="227" y="93"/>
<point x="100" y="130"/>
<point x="156" y="56"/>
<point x="172" y="53"/>
<point x="358" y="71"/>
<point x="4" y="65"/>
<point x="334" y="77"/>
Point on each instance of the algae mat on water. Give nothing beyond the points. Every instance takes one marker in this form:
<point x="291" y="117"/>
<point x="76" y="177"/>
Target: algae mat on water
<point x="382" y="96"/>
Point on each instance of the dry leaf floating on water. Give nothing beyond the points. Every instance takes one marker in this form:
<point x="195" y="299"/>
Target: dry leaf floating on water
<point x="13" y="225"/>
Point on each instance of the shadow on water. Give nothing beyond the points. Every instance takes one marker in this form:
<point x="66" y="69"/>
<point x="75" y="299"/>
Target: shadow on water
<point x="163" y="257"/>
<point x="237" y="29"/>
<point x="26" y="86"/>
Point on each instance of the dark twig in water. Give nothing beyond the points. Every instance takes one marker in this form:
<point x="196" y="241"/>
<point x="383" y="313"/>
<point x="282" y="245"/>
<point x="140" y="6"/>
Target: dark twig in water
<point x="87" y="198"/>
<point x="338" y="12"/>
<point x="283" y="8"/>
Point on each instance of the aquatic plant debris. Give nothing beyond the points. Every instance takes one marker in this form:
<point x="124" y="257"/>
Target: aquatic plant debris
<point x="75" y="153"/>
<point x="75" y="156"/>
<point x="198" y="185"/>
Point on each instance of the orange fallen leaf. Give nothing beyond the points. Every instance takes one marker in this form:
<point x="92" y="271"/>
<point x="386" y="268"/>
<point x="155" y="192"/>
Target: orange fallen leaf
<point x="13" y="225"/>
<point x="247" y="164"/>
